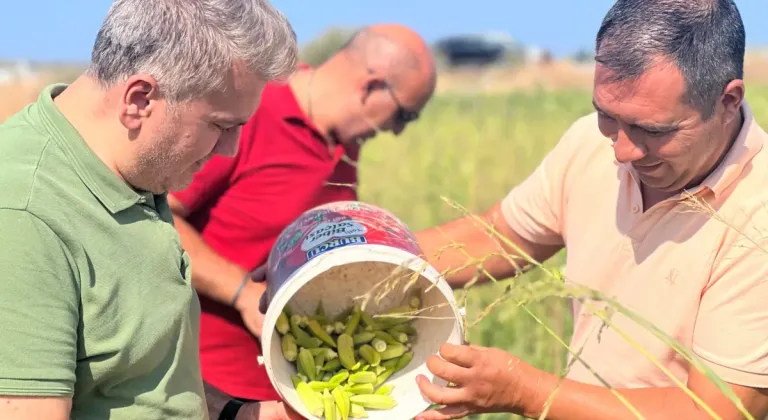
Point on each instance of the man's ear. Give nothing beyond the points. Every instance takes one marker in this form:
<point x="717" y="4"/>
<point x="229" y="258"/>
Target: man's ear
<point x="731" y="100"/>
<point x="372" y="82"/>
<point x="138" y="100"/>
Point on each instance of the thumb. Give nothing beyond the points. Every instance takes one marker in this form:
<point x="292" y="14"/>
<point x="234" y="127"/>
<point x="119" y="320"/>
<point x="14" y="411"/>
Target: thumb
<point x="263" y="303"/>
<point x="446" y="413"/>
<point x="259" y="274"/>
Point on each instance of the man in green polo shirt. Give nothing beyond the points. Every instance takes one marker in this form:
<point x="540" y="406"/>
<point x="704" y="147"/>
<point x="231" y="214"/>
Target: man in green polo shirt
<point x="98" y="318"/>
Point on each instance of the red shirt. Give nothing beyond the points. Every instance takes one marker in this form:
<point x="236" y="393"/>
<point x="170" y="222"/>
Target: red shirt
<point x="240" y="205"/>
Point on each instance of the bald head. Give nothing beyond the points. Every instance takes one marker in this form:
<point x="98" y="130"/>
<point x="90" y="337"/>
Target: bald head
<point x="379" y="81"/>
<point x="396" y="52"/>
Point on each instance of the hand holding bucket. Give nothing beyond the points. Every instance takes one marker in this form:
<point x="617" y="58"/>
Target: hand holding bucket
<point x="349" y="253"/>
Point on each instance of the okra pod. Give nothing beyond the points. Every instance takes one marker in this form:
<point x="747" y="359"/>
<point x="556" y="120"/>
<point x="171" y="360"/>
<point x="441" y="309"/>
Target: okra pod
<point x="364" y="337"/>
<point x="365" y="377"/>
<point x="298" y="333"/>
<point x="354" y="321"/>
<point x="320" y="333"/>
<point x="310" y="399"/>
<point x="346" y="350"/>
<point x="282" y="325"/>
<point x="379" y="402"/>
<point x="392" y="351"/>
<point x="340" y="377"/>
<point x="319" y="359"/>
<point x="329" y="406"/>
<point x="383" y="376"/>
<point x="357" y="411"/>
<point x="406" y="328"/>
<point x="308" y="342"/>
<point x="296" y="379"/>
<point x="369" y="321"/>
<point x="289" y="347"/>
<point x="320" y="385"/>
<point x="359" y="389"/>
<point x="342" y="402"/>
<point x="307" y="364"/>
<point x="385" y="389"/>
<point x="332" y="365"/>
<point x="384" y="336"/>
<point x="399" y="336"/>
<point x="389" y="364"/>
<point x="370" y="355"/>
<point x="379" y="344"/>
<point x="403" y="360"/>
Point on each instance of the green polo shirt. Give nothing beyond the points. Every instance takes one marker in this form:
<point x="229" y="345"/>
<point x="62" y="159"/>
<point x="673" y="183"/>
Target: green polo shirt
<point x="95" y="295"/>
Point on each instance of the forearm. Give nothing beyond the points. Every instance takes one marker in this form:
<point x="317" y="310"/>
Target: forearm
<point x="459" y="247"/>
<point x="216" y="400"/>
<point x="460" y="262"/>
<point x="212" y="275"/>
<point x="578" y="401"/>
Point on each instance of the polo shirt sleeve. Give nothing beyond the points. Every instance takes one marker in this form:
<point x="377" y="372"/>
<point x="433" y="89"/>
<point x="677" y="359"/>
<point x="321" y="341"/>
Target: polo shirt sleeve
<point x="534" y="209"/>
<point x="39" y="309"/>
<point x="731" y="330"/>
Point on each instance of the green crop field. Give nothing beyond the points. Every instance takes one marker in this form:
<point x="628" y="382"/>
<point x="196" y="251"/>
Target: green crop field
<point x="473" y="149"/>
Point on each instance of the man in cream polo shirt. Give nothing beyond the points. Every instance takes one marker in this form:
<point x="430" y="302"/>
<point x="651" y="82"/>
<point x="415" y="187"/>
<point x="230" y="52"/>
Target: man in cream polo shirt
<point x="630" y="192"/>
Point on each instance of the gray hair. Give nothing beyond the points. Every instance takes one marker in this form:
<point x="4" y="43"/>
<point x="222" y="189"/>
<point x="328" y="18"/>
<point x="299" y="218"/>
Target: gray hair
<point x="191" y="46"/>
<point x="705" y="39"/>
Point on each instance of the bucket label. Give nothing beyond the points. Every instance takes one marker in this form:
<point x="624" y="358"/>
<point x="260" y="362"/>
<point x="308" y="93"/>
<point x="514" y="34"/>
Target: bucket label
<point x="326" y="231"/>
<point x="332" y="226"/>
<point x="335" y="243"/>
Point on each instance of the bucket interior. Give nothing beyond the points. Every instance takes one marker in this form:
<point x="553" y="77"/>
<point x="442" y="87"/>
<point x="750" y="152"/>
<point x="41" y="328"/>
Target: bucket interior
<point x="341" y="287"/>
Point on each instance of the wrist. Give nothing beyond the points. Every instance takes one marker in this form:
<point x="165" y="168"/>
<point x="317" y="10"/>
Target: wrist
<point x="249" y="295"/>
<point x="249" y="411"/>
<point x="237" y="294"/>
<point x="536" y="387"/>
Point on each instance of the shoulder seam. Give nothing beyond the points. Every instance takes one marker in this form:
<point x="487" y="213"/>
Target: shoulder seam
<point x="34" y="177"/>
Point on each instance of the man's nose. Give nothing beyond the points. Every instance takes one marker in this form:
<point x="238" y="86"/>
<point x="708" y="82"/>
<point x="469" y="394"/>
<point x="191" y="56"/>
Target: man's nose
<point x="228" y="144"/>
<point x="398" y="128"/>
<point x="625" y="150"/>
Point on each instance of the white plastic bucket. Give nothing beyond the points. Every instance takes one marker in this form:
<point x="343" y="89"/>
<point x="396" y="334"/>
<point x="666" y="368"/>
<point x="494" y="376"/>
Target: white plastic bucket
<point x="340" y="251"/>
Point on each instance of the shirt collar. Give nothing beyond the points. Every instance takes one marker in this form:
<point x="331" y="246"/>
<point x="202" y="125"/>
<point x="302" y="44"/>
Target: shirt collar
<point x="113" y="193"/>
<point x="284" y="104"/>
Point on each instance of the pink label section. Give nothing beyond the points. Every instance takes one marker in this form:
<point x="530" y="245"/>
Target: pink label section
<point x="332" y="226"/>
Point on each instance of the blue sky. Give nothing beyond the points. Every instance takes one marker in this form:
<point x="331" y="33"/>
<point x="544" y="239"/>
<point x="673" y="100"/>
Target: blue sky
<point x="64" y="29"/>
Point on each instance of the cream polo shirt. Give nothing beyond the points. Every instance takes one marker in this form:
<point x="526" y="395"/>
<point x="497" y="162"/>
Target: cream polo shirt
<point x="699" y="278"/>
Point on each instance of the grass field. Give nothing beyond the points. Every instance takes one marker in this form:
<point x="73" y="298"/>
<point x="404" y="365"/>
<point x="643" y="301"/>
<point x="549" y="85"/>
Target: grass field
<point x="473" y="149"/>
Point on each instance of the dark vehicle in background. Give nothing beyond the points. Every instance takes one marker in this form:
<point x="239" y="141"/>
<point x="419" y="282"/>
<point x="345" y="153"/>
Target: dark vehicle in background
<point x="476" y="50"/>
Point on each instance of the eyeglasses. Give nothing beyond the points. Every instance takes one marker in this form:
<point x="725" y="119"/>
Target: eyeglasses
<point x="402" y="115"/>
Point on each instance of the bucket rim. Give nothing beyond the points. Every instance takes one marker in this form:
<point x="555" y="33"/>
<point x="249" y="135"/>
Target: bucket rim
<point x="325" y="262"/>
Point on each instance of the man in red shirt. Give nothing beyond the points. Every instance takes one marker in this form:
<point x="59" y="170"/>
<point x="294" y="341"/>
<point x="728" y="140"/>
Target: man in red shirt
<point x="297" y="151"/>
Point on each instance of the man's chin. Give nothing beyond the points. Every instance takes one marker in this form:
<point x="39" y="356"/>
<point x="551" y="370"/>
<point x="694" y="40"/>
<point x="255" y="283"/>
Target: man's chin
<point x="662" y="185"/>
<point x="179" y="184"/>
